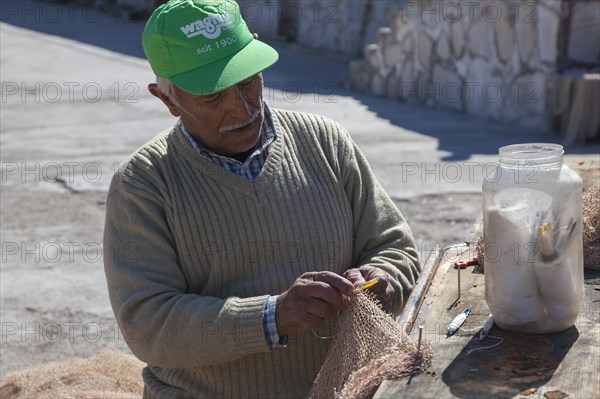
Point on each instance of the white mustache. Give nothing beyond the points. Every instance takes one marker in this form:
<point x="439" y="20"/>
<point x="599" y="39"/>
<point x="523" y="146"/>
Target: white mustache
<point x="238" y="125"/>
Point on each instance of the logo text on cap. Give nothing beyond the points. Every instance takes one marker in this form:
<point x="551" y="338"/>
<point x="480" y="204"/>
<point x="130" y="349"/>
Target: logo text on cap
<point x="209" y="27"/>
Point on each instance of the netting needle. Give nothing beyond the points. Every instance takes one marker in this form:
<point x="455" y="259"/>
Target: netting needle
<point x="367" y="285"/>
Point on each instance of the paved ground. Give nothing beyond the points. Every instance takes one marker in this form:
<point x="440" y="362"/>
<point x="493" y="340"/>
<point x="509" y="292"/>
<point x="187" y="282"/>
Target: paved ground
<point x="74" y="104"/>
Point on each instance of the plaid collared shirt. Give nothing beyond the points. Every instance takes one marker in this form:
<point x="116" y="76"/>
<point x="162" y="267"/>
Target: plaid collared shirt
<point x="270" y="326"/>
<point x="249" y="169"/>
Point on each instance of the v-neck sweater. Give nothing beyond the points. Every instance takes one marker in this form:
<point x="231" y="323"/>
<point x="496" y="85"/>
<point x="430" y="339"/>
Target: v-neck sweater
<point x="193" y="251"/>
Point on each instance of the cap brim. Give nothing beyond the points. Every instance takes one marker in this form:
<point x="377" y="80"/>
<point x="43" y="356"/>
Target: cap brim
<point x="255" y="57"/>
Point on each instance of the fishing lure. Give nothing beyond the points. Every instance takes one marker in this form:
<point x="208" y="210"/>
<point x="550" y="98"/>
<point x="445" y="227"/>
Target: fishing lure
<point x="458" y="321"/>
<point x="553" y="243"/>
<point x="487" y="326"/>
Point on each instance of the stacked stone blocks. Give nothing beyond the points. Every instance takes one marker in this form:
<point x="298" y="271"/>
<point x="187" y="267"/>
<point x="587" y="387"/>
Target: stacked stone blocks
<point x="495" y="58"/>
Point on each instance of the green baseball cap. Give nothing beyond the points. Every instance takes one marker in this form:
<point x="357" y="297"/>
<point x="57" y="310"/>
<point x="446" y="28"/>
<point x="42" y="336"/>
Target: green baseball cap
<point x="203" y="46"/>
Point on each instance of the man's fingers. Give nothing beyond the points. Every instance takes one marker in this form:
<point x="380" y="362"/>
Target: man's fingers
<point x="304" y="315"/>
<point x="313" y="322"/>
<point x="379" y="286"/>
<point x="322" y="292"/>
<point x="320" y="309"/>
<point x="374" y="281"/>
<point x="355" y="277"/>
<point x="341" y="284"/>
<point x="310" y="300"/>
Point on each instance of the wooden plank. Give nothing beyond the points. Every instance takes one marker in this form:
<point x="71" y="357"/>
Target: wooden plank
<point x="566" y="361"/>
<point x="413" y="305"/>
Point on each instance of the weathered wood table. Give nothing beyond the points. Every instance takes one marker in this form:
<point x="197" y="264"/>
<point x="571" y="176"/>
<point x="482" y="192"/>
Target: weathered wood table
<point x="567" y="362"/>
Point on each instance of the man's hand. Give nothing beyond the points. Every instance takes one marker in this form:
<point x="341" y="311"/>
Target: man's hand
<point x="383" y="290"/>
<point x="312" y="299"/>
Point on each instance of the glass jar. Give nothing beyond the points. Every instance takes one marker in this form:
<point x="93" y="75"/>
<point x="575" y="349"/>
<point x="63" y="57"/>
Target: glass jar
<point x="532" y="231"/>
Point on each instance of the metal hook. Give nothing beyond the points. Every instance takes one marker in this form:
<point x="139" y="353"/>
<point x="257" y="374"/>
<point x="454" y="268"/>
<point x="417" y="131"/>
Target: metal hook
<point x="458" y="291"/>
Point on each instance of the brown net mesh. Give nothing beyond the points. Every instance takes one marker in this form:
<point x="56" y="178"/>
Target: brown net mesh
<point x="479" y="251"/>
<point x="591" y="227"/>
<point x="110" y="375"/>
<point x="368" y="347"/>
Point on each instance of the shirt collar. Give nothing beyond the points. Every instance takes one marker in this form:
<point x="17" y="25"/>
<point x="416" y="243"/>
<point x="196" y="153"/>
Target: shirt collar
<point x="266" y="137"/>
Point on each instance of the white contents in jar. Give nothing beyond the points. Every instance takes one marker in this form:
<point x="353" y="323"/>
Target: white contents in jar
<point x="511" y="286"/>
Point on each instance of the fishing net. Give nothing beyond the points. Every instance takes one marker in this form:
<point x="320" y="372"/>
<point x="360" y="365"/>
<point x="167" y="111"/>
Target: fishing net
<point x="368" y="347"/>
<point x="109" y="375"/>
<point x="591" y="228"/>
<point x="479" y="251"/>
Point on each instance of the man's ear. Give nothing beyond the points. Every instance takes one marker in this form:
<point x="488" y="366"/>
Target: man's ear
<point x="173" y="109"/>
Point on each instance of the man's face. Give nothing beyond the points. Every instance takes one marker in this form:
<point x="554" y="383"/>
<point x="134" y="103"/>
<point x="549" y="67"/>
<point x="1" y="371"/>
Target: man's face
<point x="227" y="122"/>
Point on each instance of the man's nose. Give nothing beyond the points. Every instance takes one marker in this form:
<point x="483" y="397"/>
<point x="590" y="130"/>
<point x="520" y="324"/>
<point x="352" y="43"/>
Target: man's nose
<point x="239" y="102"/>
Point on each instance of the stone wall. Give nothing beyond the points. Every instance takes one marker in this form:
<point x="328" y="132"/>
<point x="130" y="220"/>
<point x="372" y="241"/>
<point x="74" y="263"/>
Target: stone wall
<point x="342" y="27"/>
<point x="496" y="58"/>
<point x="261" y="16"/>
<point x="583" y="39"/>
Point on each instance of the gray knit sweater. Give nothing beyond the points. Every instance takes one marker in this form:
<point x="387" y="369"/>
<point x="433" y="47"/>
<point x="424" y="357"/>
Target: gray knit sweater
<point x="193" y="251"/>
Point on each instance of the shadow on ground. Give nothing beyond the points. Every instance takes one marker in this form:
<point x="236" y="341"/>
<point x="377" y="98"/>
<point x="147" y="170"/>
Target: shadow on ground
<point x="522" y="361"/>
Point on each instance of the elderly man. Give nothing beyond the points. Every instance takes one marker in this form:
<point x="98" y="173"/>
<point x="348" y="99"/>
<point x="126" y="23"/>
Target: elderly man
<point x="241" y="226"/>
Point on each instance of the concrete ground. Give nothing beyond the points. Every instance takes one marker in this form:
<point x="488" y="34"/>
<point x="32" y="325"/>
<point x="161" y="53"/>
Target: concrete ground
<point x="74" y="105"/>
